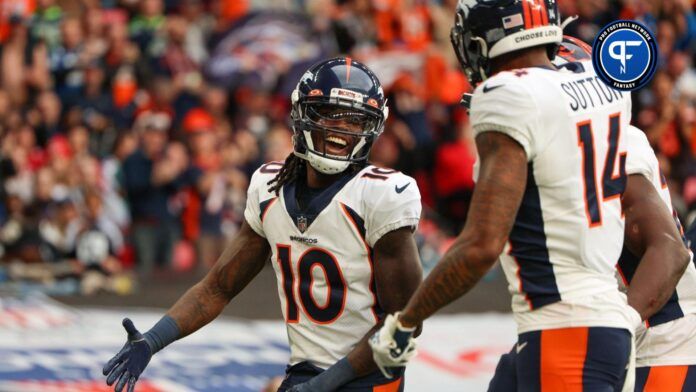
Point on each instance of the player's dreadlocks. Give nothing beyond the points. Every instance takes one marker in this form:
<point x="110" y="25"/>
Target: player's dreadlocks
<point x="294" y="167"/>
<point x="291" y="170"/>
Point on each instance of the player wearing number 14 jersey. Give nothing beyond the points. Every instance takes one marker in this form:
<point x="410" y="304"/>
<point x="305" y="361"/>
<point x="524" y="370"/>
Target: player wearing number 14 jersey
<point x="547" y="204"/>
<point x="666" y="342"/>
<point x="338" y="232"/>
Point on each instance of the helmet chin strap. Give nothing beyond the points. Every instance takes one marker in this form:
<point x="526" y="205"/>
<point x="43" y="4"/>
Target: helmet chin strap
<point x="326" y="165"/>
<point x="323" y="164"/>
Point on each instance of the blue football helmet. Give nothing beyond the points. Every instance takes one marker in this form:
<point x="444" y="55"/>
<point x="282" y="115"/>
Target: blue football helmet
<point x="485" y="29"/>
<point x="571" y="50"/>
<point x="338" y="110"/>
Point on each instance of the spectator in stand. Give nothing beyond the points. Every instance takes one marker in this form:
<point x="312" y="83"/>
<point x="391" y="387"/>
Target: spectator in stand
<point x="112" y="174"/>
<point x="146" y="25"/>
<point x="45" y="23"/>
<point x="200" y="25"/>
<point x="13" y="61"/>
<point x="68" y="61"/>
<point x="96" y="108"/>
<point x="97" y="246"/>
<point x="43" y="190"/>
<point x="60" y="226"/>
<point x="16" y="231"/>
<point x="453" y="175"/>
<point x="206" y="197"/>
<point x="60" y="158"/>
<point x="99" y="240"/>
<point x="49" y="108"/>
<point x="152" y="176"/>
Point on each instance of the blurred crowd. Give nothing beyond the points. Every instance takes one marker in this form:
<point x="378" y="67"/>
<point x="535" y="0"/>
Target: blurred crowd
<point x="129" y="129"/>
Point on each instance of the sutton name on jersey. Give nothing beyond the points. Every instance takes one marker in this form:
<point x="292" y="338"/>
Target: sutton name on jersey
<point x="582" y="98"/>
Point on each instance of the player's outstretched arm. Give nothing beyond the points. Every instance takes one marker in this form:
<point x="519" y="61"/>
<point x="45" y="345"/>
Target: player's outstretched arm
<point x="652" y="233"/>
<point x="241" y="261"/>
<point x="398" y="272"/>
<point x="496" y="199"/>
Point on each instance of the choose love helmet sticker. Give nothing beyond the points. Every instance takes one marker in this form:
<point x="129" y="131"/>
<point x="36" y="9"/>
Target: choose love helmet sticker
<point x="624" y="55"/>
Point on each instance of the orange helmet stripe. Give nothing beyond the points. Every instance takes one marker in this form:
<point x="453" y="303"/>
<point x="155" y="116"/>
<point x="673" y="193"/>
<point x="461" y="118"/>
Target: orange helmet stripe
<point x="544" y="13"/>
<point x="527" y="14"/>
<point x="348" y="61"/>
<point x="536" y="14"/>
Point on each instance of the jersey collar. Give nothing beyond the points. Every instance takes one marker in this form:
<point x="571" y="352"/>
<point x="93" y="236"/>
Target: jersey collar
<point x="303" y="219"/>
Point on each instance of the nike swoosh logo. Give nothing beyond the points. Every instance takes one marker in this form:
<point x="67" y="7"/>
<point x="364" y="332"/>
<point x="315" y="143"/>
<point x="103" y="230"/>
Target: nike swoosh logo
<point x="401" y="189"/>
<point x="488" y="88"/>
<point x="520" y="347"/>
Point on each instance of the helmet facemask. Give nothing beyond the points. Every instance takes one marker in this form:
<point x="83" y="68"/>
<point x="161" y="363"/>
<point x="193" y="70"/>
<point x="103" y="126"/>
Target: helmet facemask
<point x="333" y="134"/>
<point x="471" y="51"/>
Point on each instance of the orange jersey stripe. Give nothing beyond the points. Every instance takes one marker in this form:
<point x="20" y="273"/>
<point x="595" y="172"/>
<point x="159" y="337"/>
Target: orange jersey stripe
<point x="391" y="387"/>
<point x="666" y="379"/>
<point x="519" y="268"/>
<point x="369" y="259"/>
<point x="527" y="13"/>
<point x="268" y="207"/>
<point x="563" y="353"/>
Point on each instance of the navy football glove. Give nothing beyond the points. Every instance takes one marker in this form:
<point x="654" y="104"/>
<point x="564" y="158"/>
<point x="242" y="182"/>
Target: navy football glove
<point x="130" y="362"/>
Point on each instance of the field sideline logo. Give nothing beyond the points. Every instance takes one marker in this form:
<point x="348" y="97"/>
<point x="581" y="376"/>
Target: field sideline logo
<point x="624" y="55"/>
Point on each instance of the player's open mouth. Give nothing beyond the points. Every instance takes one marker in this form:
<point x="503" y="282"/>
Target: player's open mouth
<point x="336" y="145"/>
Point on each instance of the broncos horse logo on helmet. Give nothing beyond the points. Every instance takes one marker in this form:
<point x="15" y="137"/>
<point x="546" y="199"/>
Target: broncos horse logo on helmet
<point x="337" y="90"/>
<point x="486" y="29"/>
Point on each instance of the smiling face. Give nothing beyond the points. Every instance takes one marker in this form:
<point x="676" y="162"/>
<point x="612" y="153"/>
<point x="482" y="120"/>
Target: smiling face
<point x="339" y="125"/>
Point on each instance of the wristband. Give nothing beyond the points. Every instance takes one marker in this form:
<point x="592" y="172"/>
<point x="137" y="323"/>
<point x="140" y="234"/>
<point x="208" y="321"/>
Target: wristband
<point x="162" y="334"/>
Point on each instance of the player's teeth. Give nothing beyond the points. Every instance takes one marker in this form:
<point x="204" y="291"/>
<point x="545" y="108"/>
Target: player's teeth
<point x="334" y="139"/>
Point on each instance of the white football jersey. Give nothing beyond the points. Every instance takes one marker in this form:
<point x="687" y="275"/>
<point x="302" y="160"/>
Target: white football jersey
<point x="661" y="346"/>
<point x="568" y="234"/>
<point x="322" y="256"/>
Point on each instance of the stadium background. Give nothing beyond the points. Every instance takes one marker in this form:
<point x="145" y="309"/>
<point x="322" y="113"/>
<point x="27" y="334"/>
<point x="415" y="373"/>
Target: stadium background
<point x="91" y="90"/>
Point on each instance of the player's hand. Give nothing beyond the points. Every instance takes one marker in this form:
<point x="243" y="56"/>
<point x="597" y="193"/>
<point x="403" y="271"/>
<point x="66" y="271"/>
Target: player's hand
<point x="393" y="345"/>
<point x="130" y="362"/>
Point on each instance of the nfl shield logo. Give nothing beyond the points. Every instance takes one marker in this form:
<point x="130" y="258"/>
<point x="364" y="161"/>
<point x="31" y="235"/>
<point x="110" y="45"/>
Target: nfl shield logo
<point x="302" y="224"/>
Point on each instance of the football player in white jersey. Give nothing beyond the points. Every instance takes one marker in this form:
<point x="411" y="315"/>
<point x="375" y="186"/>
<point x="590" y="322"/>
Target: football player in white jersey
<point x="546" y="203"/>
<point x="338" y="231"/>
<point x="666" y="341"/>
<point x="651" y="242"/>
<point x="654" y="252"/>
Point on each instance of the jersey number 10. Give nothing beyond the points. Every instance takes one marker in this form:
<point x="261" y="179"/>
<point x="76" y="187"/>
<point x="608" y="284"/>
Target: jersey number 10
<point x="612" y="185"/>
<point x="336" y="296"/>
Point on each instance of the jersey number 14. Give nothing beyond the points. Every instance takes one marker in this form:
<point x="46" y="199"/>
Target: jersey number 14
<point x="612" y="185"/>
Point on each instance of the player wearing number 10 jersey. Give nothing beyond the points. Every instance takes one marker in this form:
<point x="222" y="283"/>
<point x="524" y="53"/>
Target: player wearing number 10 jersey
<point x="339" y="234"/>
